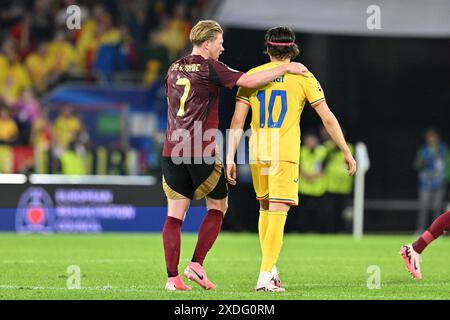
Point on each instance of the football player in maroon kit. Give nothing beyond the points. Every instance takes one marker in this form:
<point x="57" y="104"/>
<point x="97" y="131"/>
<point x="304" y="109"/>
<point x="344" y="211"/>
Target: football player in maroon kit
<point x="191" y="166"/>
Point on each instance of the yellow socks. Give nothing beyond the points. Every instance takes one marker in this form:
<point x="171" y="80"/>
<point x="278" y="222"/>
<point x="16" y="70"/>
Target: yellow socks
<point x="262" y="227"/>
<point x="273" y="239"/>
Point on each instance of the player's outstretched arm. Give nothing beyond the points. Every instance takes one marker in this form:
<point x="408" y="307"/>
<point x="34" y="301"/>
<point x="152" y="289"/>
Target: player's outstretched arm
<point x="334" y="130"/>
<point x="261" y="78"/>
<point x="234" y="137"/>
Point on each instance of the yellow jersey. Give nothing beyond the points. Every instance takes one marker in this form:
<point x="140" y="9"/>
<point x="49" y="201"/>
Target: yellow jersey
<point x="276" y="110"/>
<point x="4" y="65"/>
<point x="65" y="129"/>
<point x="63" y="55"/>
<point x="16" y="81"/>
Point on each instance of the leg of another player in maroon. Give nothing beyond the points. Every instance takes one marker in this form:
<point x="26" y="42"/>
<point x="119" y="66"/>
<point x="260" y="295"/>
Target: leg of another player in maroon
<point x="437" y="228"/>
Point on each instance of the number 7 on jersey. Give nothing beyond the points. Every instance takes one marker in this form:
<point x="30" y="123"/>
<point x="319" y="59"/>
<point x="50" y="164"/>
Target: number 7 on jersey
<point x="187" y="86"/>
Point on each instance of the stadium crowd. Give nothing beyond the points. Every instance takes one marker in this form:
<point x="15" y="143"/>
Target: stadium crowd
<point x="118" y="39"/>
<point x="136" y="40"/>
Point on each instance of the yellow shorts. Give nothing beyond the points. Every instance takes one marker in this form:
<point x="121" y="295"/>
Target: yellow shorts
<point x="276" y="181"/>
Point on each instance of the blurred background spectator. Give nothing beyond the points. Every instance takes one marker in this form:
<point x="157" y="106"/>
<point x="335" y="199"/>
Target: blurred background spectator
<point x="337" y="212"/>
<point x="26" y="110"/>
<point x="430" y="163"/>
<point x="311" y="186"/>
<point x="8" y="127"/>
<point x="65" y="129"/>
<point x="72" y="160"/>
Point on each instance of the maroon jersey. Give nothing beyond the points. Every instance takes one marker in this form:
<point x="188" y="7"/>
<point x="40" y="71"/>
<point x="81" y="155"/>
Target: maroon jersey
<point x="192" y="89"/>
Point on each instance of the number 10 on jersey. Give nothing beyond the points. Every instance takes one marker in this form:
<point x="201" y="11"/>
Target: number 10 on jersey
<point x="262" y="108"/>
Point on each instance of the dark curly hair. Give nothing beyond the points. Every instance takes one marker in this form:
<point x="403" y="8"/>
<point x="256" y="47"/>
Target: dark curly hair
<point x="284" y="36"/>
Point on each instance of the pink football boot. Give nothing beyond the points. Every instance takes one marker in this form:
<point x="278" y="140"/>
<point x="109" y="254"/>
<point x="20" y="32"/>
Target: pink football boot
<point x="412" y="261"/>
<point x="176" y="284"/>
<point x="195" y="272"/>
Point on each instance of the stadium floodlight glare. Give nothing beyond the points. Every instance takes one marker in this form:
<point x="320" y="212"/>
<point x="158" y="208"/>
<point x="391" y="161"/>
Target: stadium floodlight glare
<point x="91" y="179"/>
<point x="13" y="178"/>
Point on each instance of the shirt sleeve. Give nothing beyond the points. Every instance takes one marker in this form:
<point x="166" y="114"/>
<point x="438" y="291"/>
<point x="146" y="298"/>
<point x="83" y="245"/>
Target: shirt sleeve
<point x="243" y="95"/>
<point x="223" y="76"/>
<point x="313" y="90"/>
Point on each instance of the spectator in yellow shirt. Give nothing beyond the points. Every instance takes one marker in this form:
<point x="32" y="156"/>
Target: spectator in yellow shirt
<point x="96" y="31"/>
<point x="65" y="128"/>
<point x="41" y="140"/>
<point x="41" y="131"/>
<point x="8" y="127"/>
<point x="87" y="43"/>
<point x="16" y="78"/>
<point x="62" y="54"/>
<point x="4" y="65"/>
<point x="39" y="64"/>
<point x="72" y="162"/>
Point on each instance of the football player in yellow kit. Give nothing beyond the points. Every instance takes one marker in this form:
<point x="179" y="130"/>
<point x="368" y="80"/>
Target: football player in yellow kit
<point x="275" y="145"/>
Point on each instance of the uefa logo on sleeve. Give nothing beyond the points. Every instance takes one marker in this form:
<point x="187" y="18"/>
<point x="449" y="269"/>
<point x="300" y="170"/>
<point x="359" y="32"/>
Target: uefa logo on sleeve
<point x="35" y="211"/>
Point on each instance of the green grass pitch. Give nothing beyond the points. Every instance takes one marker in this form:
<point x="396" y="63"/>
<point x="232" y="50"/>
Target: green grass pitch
<point x="131" y="266"/>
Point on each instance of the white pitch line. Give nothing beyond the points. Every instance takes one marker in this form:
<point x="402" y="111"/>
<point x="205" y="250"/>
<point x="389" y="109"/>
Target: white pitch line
<point x="130" y="290"/>
<point x="145" y="261"/>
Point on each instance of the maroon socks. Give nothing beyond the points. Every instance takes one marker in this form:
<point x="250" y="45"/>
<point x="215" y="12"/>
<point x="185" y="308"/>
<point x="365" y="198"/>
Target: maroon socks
<point x="172" y="243"/>
<point x="437" y="228"/>
<point x="207" y="234"/>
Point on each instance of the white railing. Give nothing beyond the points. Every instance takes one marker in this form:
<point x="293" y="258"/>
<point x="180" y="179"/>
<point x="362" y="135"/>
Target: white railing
<point x="77" y="179"/>
<point x="363" y="164"/>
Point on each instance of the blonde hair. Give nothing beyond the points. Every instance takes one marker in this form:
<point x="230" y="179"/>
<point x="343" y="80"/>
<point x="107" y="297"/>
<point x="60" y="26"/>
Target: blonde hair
<point x="204" y="30"/>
